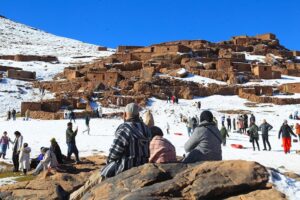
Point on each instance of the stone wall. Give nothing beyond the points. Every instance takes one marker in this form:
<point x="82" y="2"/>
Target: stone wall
<point x="290" y="88"/>
<point x="32" y="106"/>
<point x="21" y="75"/>
<point x="27" y="58"/>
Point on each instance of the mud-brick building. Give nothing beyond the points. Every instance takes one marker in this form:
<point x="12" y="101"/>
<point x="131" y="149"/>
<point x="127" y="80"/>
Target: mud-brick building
<point x="21" y="75"/>
<point x="262" y="71"/>
<point x="108" y="78"/>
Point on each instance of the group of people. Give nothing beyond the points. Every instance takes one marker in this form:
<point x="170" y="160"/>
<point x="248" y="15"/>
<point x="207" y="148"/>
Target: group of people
<point x="49" y="157"/>
<point x="172" y="99"/>
<point x="11" y="114"/>
<point x="295" y="116"/>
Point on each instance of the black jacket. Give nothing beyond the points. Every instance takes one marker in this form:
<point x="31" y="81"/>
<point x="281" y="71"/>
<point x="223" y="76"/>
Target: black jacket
<point x="265" y="128"/>
<point x="286" y="131"/>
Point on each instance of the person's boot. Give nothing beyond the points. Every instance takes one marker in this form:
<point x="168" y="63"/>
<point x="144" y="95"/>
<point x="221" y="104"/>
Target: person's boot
<point x="25" y="171"/>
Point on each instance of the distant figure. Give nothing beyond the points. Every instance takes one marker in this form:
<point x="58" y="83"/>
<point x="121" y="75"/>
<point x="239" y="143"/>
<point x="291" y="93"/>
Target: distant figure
<point x="228" y="119"/>
<point x="148" y="119"/>
<point x="254" y="136"/>
<point x="27" y="115"/>
<point x="14" y="113"/>
<point x="297" y="127"/>
<point x="87" y="124"/>
<point x="205" y="142"/>
<point x="168" y="99"/>
<point x="119" y="101"/>
<point x="161" y="149"/>
<point x="189" y="126"/>
<point x="195" y="123"/>
<point x="252" y="118"/>
<point x="245" y="117"/>
<point x="286" y="132"/>
<point x="173" y="99"/>
<point x="296" y="114"/>
<point x="176" y="100"/>
<point x="168" y="129"/>
<point x="55" y="148"/>
<point x="25" y="158"/>
<point x="199" y="105"/>
<point x="215" y="121"/>
<point x="100" y="111"/>
<point x="72" y="116"/>
<point x="8" y="115"/>
<point x="223" y="120"/>
<point x="72" y="148"/>
<point x="224" y="134"/>
<point x="234" y="124"/>
<point x="291" y="116"/>
<point x="4" y="144"/>
<point x="265" y="127"/>
<point x="18" y="144"/>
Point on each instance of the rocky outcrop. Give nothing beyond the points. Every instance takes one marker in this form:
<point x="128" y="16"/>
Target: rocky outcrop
<point x="208" y="180"/>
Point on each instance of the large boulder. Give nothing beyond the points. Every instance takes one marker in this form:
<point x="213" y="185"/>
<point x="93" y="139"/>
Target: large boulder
<point x="208" y="180"/>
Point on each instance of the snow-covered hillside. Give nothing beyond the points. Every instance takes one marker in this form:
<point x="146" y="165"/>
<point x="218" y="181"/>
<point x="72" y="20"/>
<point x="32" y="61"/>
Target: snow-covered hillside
<point x="16" y="38"/>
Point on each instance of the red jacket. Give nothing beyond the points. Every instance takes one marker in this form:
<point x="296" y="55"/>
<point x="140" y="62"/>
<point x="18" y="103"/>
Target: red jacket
<point x="161" y="150"/>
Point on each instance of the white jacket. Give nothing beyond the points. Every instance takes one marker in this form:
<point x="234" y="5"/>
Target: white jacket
<point x="24" y="158"/>
<point x="49" y="160"/>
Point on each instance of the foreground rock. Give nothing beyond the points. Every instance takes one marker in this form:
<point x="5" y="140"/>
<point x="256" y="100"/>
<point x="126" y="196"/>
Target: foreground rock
<point x="208" y="180"/>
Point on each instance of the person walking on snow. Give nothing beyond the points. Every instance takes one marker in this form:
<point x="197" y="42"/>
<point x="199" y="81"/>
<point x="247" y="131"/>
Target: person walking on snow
<point x="72" y="116"/>
<point x="254" y="136"/>
<point x="228" y="119"/>
<point x="25" y="158"/>
<point x="223" y="120"/>
<point x="296" y="114"/>
<point x="70" y="139"/>
<point x="8" y="115"/>
<point x="224" y="134"/>
<point x="100" y="113"/>
<point x="286" y="132"/>
<point x="234" y="124"/>
<point x="4" y="144"/>
<point x="87" y="124"/>
<point x="27" y="115"/>
<point x="265" y="128"/>
<point x="252" y="118"/>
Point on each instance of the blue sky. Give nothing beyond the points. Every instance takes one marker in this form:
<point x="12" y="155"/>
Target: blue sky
<point x="132" y="22"/>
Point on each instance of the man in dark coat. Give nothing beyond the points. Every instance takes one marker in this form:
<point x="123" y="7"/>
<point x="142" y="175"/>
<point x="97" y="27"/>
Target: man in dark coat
<point x="56" y="150"/>
<point x="265" y="127"/>
<point x="286" y="133"/>
<point x="228" y="119"/>
<point x="14" y="114"/>
<point x="254" y="136"/>
<point x="70" y="139"/>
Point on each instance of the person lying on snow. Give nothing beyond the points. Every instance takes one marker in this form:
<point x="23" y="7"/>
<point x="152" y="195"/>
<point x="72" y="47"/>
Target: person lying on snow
<point x="161" y="149"/>
<point x="205" y="142"/>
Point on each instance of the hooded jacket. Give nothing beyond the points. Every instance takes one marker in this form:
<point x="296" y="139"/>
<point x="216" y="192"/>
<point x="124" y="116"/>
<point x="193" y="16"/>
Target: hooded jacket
<point x="206" y="140"/>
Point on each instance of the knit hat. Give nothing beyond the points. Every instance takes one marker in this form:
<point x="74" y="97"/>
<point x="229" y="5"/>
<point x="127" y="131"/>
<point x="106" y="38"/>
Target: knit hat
<point x="132" y="108"/>
<point x="206" y="116"/>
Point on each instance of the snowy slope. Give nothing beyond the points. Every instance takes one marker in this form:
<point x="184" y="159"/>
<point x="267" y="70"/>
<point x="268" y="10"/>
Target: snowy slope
<point x="16" y="38"/>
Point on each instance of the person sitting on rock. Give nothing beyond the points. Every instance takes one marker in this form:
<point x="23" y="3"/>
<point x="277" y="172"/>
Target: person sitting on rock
<point x="130" y="147"/>
<point x="161" y="149"/>
<point x="56" y="149"/>
<point x="49" y="161"/>
<point x="205" y="142"/>
<point x="25" y="158"/>
<point x="35" y="161"/>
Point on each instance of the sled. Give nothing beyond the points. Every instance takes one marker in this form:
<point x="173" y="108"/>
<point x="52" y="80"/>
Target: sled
<point x="178" y="134"/>
<point x="237" y="146"/>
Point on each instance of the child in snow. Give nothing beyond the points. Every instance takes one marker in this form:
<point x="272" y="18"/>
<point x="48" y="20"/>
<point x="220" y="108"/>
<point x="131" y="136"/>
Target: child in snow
<point x="4" y="144"/>
<point x="224" y="134"/>
<point x="161" y="149"/>
<point x="25" y="158"/>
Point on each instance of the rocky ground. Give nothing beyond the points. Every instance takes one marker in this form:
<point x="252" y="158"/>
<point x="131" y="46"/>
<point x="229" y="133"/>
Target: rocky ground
<point x="210" y="180"/>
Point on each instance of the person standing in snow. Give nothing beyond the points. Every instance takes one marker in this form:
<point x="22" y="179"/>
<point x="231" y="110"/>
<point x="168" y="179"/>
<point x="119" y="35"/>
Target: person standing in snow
<point x="25" y="158"/>
<point x="296" y="114"/>
<point x="286" y="132"/>
<point x="14" y="113"/>
<point x="168" y="99"/>
<point x="215" y="121"/>
<point x="199" y="105"/>
<point x="224" y="134"/>
<point x="173" y="99"/>
<point x="189" y="126"/>
<point x="87" y="124"/>
<point x="18" y="144"/>
<point x="27" y="115"/>
<point x="8" y="115"/>
<point x="205" y="142"/>
<point x="223" y="120"/>
<point x="245" y="124"/>
<point x="252" y="118"/>
<point x="168" y="129"/>
<point x="4" y="144"/>
<point x="265" y="127"/>
<point x="228" y="119"/>
<point x="234" y="124"/>
<point x="72" y="116"/>
<point x="71" y="142"/>
<point x="100" y="113"/>
<point x="297" y="127"/>
<point x="254" y="136"/>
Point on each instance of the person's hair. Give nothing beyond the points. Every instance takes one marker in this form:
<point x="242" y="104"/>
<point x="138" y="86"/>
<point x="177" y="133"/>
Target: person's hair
<point x="25" y="144"/>
<point x="69" y="124"/>
<point x="4" y="132"/>
<point x="17" y="133"/>
<point x="156" y="131"/>
<point x="42" y="148"/>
